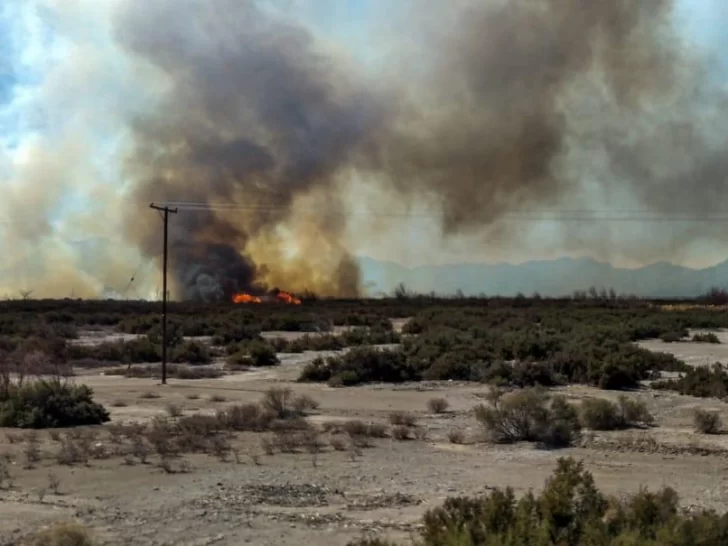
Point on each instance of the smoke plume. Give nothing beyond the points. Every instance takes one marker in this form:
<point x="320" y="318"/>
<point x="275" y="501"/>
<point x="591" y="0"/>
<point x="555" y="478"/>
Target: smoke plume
<point x="256" y="114"/>
<point x="267" y="131"/>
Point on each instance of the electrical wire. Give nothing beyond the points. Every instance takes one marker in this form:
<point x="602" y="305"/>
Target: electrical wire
<point x="572" y="215"/>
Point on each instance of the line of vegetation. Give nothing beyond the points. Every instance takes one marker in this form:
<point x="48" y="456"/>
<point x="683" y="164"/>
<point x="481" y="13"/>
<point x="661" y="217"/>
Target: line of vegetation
<point x="700" y="381"/>
<point x="521" y="348"/>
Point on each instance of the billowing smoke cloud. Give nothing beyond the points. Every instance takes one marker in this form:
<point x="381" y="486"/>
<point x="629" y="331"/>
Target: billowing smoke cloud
<point x="493" y="124"/>
<point x="478" y="110"/>
<point x="256" y="114"/>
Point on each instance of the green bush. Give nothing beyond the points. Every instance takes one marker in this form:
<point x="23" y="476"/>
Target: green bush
<point x="673" y="337"/>
<point x="191" y="352"/>
<point x="601" y="414"/>
<point x="361" y="365"/>
<point x="257" y="354"/>
<point x="529" y="416"/>
<point x="569" y="511"/>
<point x="50" y="403"/>
<point x="702" y="381"/>
<point x="706" y="338"/>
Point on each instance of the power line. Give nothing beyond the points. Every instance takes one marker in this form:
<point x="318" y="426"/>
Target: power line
<point x="572" y="215"/>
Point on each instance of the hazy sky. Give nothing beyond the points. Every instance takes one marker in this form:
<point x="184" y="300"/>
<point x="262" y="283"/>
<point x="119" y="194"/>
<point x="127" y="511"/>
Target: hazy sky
<point x="66" y="89"/>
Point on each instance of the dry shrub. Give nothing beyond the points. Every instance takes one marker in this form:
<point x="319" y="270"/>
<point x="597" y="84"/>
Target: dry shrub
<point x="268" y="445"/>
<point x="32" y="450"/>
<point x="69" y="453"/>
<point x="355" y="427"/>
<point x="634" y="412"/>
<point x="284" y="404"/>
<point x="377" y="430"/>
<point x="456" y="436"/>
<point x="54" y="482"/>
<point x="304" y="403"/>
<point x="601" y="414"/>
<point x="401" y="432"/>
<point x="528" y="416"/>
<point x="217" y="398"/>
<point x="62" y="534"/>
<point x="358" y="430"/>
<point x="140" y="449"/>
<point x="438" y="405"/>
<point x="339" y="444"/>
<point x="6" y="477"/>
<point x="221" y="447"/>
<point x="161" y="436"/>
<point x="173" y="410"/>
<point x="707" y="422"/>
<point x="165" y="463"/>
<point x="400" y="418"/>
<point x="420" y="433"/>
<point x="245" y="417"/>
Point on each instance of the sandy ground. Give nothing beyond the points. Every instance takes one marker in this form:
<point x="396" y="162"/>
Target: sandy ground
<point x="289" y="500"/>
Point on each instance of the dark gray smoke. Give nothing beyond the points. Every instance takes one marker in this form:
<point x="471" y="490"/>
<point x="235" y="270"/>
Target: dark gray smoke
<point x="256" y="114"/>
<point x="500" y="106"/>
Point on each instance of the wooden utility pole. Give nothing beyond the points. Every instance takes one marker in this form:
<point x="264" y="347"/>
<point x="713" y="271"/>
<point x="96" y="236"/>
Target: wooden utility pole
<point x="165" y="210"/>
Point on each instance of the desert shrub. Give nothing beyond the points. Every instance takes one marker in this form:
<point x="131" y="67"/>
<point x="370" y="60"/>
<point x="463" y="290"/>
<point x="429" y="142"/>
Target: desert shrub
<point x="401" y="418"/>
<point x="359" y="432"/>
<point x="138" y="350"/>
<point x="570" y="510"/>
<point x="246" y="417"/>
<point x="360" y="365"/>
<point x="529" y="416"/>
<point x="673" y="337"/>
<point x="283" y="403"/>
<point x="177" y="371"/>
<point x="50" y="403"/>
<point x="372" y="541"/>
<point x="707" y="422"/>
<point x="191" y="352"/>
<point x="601" y="414"/>
<point x="339" y="444"/>
<point x="438" y="405"/>
<point x="62" y="534"/>
<point x="260" y="354"/>
<point x="634" y="412"/>
<point x="456" y="436"/>
<point x="401" y="432"/>
<point x="706" y="338"/>
<point x="304" y="403"/>
<point x="704" y="382"/>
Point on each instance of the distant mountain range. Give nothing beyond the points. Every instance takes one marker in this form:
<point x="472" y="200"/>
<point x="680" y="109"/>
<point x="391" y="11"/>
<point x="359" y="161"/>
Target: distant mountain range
<point x="558" y="277"/>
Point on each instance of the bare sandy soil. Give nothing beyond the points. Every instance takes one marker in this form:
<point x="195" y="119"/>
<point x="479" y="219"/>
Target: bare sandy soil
<point x="293" y="499"/>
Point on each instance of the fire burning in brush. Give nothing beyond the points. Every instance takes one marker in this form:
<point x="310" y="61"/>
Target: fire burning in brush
<point x="245" y="298"/>
<point x="287" y="297"/>
<point x="279" y="296"/>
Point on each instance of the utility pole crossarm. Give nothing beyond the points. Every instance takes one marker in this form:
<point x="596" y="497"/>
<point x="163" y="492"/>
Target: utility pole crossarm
<point x="166" y="210"/>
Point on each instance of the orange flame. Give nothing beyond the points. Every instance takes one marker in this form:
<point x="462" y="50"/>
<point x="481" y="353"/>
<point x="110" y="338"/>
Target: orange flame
<point x="288" y="298"/>
<point x="245" y="298"/>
